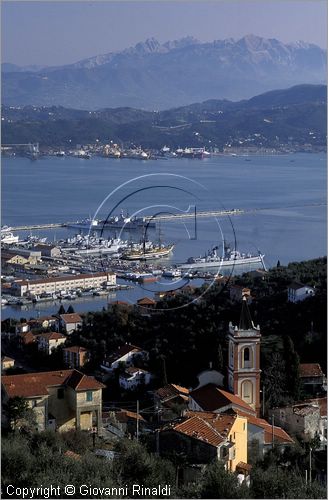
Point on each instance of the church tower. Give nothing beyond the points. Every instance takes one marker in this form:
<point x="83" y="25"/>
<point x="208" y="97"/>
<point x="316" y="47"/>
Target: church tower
<point x="244" y="359"/>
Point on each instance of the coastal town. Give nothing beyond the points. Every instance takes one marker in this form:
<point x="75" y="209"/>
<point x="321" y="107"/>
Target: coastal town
<point x="118" y="386"/>
<point x="163" y="250"/>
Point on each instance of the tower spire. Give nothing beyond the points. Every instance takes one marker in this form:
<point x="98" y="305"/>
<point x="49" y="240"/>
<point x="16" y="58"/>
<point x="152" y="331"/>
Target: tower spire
<point x="245" y="322"/>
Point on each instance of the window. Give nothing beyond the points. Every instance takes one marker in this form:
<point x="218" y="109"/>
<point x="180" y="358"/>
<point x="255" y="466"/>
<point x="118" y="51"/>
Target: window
<point x="60" y="393"/>
<point x="89" y="395"/>
<point x="247" y="391"/>
<point x="247" y="358"/>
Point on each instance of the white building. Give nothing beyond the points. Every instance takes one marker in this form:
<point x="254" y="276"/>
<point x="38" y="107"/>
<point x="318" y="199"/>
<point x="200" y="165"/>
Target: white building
<point x="70" y="322"/>
<point x="133" y="377"/>
<point x="125" y="354"/>
<point x="63" y="283"/>
<point x="47" y="342"/>
<point x="298" y="292"/>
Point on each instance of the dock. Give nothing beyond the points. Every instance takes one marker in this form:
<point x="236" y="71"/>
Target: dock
<point x="179" y="215"/>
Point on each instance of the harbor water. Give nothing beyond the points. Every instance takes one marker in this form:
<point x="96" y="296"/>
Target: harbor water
<point x="284" y="197"/>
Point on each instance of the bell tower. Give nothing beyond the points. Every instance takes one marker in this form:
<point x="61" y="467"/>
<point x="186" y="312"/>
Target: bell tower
<point x="244" y="359"/>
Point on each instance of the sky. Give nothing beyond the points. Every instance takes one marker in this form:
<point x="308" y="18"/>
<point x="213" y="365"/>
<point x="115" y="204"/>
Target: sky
<point x="60" y="32"/>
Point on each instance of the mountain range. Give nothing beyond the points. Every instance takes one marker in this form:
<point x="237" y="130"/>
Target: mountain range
<point x="294" y="116"/>
<point x="155" y="76"/>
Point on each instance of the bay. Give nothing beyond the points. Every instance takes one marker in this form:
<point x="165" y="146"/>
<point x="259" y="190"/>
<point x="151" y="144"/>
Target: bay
<point x="291" y="189"/>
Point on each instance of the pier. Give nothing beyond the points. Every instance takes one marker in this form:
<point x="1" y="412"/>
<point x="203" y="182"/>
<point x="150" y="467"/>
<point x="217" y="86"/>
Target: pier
<point x="170" y="217"/>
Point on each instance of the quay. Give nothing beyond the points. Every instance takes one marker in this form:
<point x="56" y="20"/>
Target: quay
<point x="216" y="213"/>
<point x="184" y="215"/>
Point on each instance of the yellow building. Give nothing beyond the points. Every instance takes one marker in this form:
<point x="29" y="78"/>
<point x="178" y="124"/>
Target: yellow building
<point x="61" y="400"/>
<point x="206" y="436"/>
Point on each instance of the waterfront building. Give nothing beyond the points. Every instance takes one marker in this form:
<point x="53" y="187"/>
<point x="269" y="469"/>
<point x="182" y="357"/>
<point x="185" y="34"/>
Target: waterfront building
<point x="62" y="400"/>
<point x="63" y="283"/>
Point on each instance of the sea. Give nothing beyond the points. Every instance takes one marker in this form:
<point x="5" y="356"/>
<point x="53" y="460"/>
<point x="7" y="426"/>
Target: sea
<point x="283" y="198"/>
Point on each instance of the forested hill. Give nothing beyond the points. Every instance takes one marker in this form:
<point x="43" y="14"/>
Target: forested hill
<point x="291" y="116"/>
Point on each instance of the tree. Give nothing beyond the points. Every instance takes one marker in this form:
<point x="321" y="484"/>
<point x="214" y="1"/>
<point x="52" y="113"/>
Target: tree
<point x="61" y="310"/>
<point x="218" y="483"/>
<point x="219" y="359"/>
<point x="276" y="482"/>
<point x="292" y="362"/>
<point x="19" y="414"/>
<point x="70" y="309"/>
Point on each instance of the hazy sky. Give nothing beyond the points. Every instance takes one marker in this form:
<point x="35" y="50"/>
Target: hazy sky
<point x="61" y="32"/>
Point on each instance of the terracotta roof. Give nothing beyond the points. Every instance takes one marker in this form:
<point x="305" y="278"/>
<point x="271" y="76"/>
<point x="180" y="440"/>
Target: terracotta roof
<point x="125" y="415"/>
<point x="72" y="454"/>
<point x="211" y="398"/>
<point x="146" y="301"/>
<point x="321" y="402"/>
<point x="28" y="337"/>
<point x="36" y="384"/>
<point x="279" y="434"/>
<point x="80" y="382"/>
<point x="221" y="422"/>
<point x="71" y="318"/>
<point x="75" y="348"/>
<point x="198" y="428"/>
<point x="52" y="336"/>
<point x="171" y="391"/>
<point x="310" y="370"/>
<point x="244" y="466"/>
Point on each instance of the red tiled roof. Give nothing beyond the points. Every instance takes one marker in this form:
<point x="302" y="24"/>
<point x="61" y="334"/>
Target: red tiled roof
<point x="52" y="336"/>
<point x="198" y="428"/>
<point x="172" y="391"/>
<point x="310" y="370"/>
<point x="124" y="415"/>
<point x="146" y="301"/>
<point x="36" y="384"/>
<point x="75" y="348"/>
<point x="71" y="318"/>
<point x="211" y="398"/>
<point x="27" y="337"/>
<point x="72" y="454"/>
<point x="80" y="382"/>
<point x="221" y="422"/>
<point x="279" y="434"/>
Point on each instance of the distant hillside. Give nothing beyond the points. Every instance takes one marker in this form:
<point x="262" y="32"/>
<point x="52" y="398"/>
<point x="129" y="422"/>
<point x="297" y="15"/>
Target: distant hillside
<point x="295" y="116"/>
<point x="158" y="76"/>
